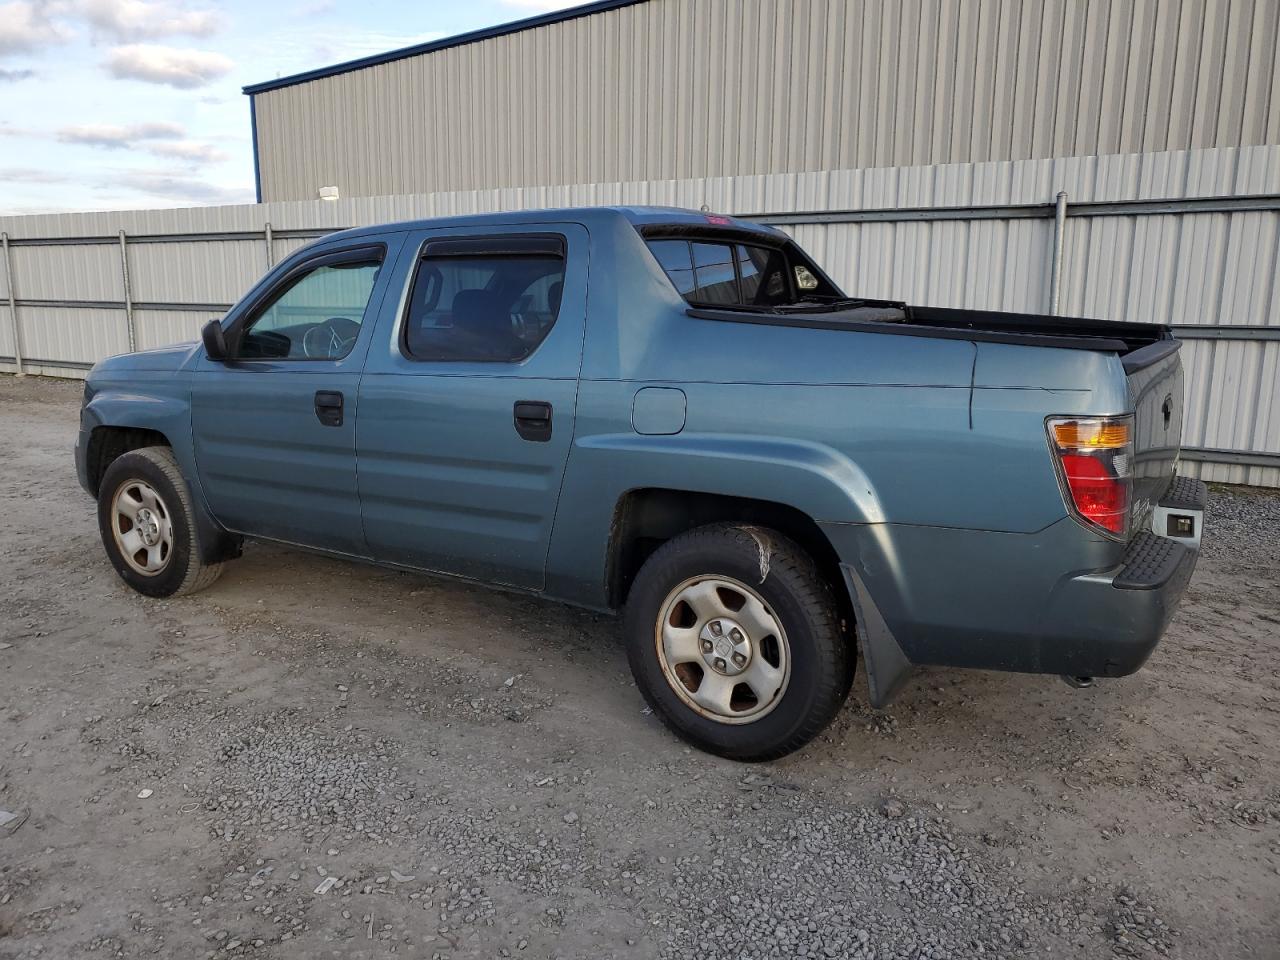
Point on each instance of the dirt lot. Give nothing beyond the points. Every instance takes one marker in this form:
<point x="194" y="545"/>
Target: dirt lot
<point x="478" y="773"/>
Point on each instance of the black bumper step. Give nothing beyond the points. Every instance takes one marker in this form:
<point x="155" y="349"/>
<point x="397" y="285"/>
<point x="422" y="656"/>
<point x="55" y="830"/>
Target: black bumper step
<point x="1185" y="493"/>
<point x="1150" y="562"/>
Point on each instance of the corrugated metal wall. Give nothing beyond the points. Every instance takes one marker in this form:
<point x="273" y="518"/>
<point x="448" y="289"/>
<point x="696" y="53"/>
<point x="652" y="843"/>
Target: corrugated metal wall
<point x="672" y="89"/>
<point x="1186" y="268"/>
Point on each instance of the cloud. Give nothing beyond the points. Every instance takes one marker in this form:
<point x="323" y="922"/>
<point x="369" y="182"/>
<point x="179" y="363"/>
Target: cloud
<point x="128" y="20"/>
<point x="541" y="6"/>
<point x="318" y="8"/>
<point x="26" y="26"/>
<point x="184" y="188"/>
<point x="13" y="76"/>
<point x="31" y="175"/>
<point x="190" y="151"/>
<point x="336" y="46"/>
<point x="184" y="69"/>
<point x="114" y="137"/>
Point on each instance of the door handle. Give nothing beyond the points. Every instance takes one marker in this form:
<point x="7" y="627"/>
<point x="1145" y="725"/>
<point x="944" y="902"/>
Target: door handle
<point x="329" y="407"/>
<point x="533" y="420"/>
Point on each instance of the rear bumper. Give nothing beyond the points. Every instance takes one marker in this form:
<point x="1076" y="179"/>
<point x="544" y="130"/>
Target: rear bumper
<point x="1117" y="618"/>
<point x="1059" y="601"/>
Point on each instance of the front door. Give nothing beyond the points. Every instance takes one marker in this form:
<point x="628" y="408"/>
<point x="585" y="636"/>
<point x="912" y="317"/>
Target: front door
<point x="467" y="406"/>
<point x="274" y="425"/>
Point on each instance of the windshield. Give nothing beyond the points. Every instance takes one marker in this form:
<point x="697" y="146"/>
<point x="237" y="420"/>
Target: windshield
<point x="711" y="272"/>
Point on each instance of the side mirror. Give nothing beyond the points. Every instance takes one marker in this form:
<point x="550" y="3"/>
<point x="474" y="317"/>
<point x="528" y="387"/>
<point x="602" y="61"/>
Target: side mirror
<point x="215" y="340"/>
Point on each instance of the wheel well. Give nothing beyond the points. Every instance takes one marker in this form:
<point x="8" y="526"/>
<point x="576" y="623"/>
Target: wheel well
<point x="108" y="443"/>
<point x="645" y="519"/>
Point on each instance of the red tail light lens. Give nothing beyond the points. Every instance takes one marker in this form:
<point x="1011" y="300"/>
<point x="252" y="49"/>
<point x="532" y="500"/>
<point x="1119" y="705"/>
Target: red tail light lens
<point x="1098" y="496"/>
<point x="1094" y="459"/>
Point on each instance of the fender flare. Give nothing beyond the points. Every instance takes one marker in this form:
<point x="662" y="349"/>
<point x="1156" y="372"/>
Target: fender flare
<point x="171" y="418"/>
<point x="812" y="479"/>
<point x="819" y="480"/>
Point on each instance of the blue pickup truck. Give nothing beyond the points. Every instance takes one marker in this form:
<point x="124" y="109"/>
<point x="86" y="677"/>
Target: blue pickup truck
<point x="678" y="416"/>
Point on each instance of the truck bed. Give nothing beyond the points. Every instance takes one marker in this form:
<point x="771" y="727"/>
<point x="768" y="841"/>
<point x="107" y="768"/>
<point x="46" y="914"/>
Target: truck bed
<point x="990" y="326"/>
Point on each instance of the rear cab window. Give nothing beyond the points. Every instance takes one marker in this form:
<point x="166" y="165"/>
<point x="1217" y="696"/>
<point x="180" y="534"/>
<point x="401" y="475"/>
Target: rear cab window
<point x="740" y="272"/>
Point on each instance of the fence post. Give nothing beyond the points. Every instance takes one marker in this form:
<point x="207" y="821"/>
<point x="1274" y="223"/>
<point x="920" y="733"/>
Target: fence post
<point x="128" y="294"/>
<point x="1059" y="241"/>
<point x="13" y="306"/>
<point x="266" y="233"/>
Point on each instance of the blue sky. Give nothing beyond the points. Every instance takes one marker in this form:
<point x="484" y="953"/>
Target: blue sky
<point x="125" y="104"/>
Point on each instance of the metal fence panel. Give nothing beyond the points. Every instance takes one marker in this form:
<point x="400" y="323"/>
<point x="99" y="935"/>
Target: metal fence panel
<point x="86" y="272"/>
<point x="159" y="328"/>
<point x="195" y="272"/>
<point x="72" y="334"/>
<point x="6" y="332"/>
<point x="951" y="235"/>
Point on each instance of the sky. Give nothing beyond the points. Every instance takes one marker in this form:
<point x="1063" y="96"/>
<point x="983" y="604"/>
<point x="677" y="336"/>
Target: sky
<point x="130" y="104"/>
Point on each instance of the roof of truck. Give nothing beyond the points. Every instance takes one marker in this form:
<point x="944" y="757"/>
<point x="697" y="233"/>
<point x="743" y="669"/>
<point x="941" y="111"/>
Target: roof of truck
<point x="638" y="216"/>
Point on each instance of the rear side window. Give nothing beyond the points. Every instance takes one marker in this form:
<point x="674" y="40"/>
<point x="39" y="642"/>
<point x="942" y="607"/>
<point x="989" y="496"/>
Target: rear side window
<point x="723" y="273"/>
<point x="484" y="299"/>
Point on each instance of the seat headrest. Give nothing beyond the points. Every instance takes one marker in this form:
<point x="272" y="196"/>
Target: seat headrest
<point x="472" y="306"/>
<point x="483" y="314"/>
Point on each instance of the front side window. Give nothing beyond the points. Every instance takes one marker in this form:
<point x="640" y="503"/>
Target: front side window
<point x="484" y="299"/>
<point x="317" y="316"/>
<point x="713" y="272"/>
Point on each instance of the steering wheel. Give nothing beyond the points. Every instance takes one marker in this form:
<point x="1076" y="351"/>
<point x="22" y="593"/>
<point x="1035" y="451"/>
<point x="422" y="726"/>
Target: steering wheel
<point x="330" y="340"/>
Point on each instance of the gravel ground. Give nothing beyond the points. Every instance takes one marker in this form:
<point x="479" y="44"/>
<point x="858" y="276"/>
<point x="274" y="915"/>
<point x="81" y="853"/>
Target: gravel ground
<point x="348" y="762"/>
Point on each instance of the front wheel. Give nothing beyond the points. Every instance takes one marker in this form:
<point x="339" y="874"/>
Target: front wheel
<point x="148" y="525"/>
<point x="733" y="638"/>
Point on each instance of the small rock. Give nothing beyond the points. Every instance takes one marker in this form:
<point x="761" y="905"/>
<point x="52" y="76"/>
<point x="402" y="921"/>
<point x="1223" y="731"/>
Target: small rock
<point x="894" y="809"/>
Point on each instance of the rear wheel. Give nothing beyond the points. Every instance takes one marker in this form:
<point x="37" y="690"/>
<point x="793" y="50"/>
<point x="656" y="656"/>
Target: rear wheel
<point x="733" y="637"/>
<point x="148" y="525"/>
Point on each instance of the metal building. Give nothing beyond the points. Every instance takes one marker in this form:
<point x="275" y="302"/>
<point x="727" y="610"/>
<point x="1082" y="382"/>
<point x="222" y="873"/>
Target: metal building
<point x="643" y="90"/>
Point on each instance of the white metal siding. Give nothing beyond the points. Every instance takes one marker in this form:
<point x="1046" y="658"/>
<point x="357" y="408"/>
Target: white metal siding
<point x="211" y="272"/>
<point x="6" y="335"/>
<point x="67" y="273"/>
<point x="68" y="334"/>
<point x="1198" y="268"/>
<point x="673" y="89"/>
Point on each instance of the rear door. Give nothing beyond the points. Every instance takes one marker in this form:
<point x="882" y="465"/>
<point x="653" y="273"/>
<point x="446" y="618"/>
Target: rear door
<point x="467" y="405"/>
<point x="274" y="425"/>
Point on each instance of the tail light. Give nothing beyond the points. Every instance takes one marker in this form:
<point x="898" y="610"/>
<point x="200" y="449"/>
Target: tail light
<point x="1094" y="457"/>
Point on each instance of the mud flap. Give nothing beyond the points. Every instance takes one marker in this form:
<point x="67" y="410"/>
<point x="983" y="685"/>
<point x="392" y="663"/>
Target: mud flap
<point x="887" y="667"/>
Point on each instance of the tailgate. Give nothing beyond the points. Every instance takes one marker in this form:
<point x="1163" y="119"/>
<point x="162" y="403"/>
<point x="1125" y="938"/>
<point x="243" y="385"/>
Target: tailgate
<point x="1155" y="389"/>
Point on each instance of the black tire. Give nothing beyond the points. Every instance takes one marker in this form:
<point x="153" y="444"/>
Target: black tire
<point x="802" y="602"/>
<point x="183" y="571"/>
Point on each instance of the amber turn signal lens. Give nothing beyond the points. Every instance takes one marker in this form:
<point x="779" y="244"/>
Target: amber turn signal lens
<point x="1091" y="434"/>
